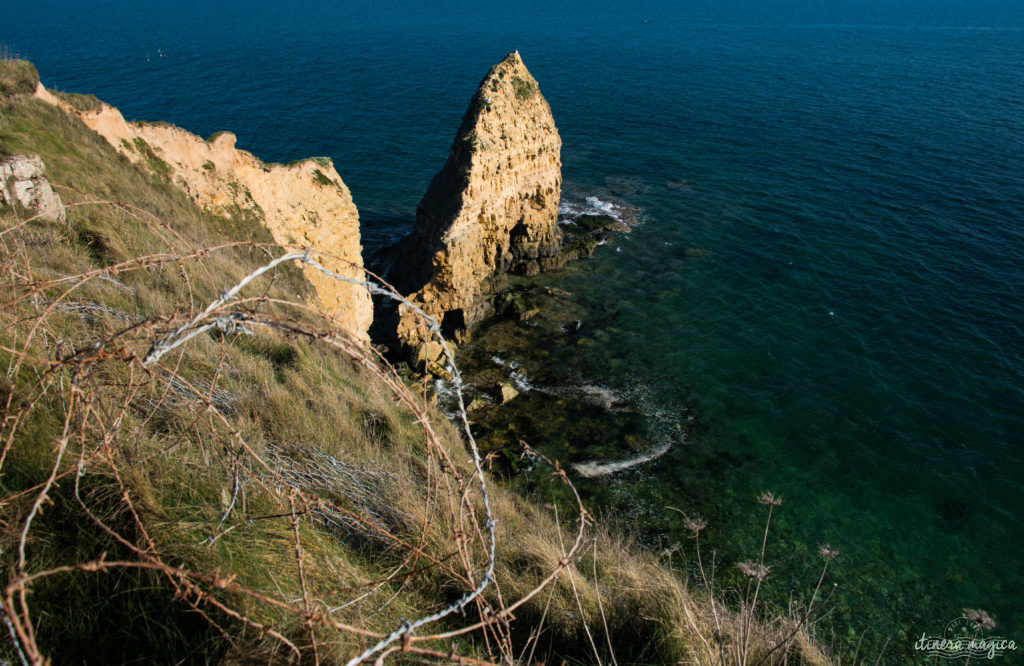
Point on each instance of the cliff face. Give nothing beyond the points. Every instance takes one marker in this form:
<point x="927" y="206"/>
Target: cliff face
<point x="304" y="203"/>
<point x="492" y="209"/>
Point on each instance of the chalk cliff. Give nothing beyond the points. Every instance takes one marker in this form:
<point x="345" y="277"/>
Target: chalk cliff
<point x="304" y="203"/>
<point x="491" y="210"/>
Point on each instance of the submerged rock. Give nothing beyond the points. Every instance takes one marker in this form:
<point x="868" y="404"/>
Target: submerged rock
<point x="508" y="393"/>
<point x="491" y="210"/>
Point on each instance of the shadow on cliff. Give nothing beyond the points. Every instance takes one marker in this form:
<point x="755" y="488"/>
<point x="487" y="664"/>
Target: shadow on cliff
<point x="380" y="231"/>
<point x="386" y="238"/>
<point x="401" y="248"/>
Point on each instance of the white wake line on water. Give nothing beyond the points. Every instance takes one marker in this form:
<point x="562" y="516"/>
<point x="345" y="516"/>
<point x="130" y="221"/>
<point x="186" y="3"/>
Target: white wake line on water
<point x="600" y="396"/>
<point x="595" y="469"/>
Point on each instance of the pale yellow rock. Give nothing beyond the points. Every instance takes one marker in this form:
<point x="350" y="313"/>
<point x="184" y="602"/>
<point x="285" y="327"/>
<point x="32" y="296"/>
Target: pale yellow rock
<point x="304" y="203"/>
<point x="45" y="95"/>
<point x="431" y="352"/>
<point x="23" y="183"/>
<point x="508" y="393"/>
<point x="492" y="209"/>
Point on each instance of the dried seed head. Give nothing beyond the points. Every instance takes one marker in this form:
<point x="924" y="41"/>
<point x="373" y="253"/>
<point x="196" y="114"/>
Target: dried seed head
<point x="695" y="524"/>
<point x="986" y="621"/>
<point x="753" y="570"/>
<point x="770" y="498"/>
<point x="827" y="552"/>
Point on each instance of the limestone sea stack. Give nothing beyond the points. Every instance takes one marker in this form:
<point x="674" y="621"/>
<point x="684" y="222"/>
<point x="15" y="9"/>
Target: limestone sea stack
<point x="491" y="210"/>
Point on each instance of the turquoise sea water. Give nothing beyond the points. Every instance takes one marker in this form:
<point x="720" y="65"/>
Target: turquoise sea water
<point x="828" y="271"/>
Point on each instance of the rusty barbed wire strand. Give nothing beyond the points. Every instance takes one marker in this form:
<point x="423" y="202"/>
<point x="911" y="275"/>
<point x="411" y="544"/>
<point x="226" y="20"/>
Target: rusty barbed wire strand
<point x="80" y="377"/>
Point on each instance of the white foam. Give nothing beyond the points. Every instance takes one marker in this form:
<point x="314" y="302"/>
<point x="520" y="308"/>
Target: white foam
<point x="667" y="427"/>
<point x="591" y="205"/>
<point x="520" y="382"/>
<point x="603" y="206"/>
<point x="604" y="397"/>
<point x="515" y="376"/>
<point x="594" y="469"/>
<point x="446" y="398"/>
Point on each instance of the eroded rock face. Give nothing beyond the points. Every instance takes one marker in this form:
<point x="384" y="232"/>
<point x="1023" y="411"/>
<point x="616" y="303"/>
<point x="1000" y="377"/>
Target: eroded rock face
<point x="304" y="203"/>
<point x="22" y="183"/>
<point x="492" y="209"/>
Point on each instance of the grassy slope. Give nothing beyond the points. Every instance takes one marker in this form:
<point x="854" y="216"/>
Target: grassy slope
<point x="147" y="439"/>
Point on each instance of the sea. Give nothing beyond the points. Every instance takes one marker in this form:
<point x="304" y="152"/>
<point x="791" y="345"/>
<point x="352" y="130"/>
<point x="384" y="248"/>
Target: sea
<point x="825" y="284"/>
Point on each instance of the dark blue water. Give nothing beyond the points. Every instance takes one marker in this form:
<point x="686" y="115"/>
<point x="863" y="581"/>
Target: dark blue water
<point x="848" y="178"/>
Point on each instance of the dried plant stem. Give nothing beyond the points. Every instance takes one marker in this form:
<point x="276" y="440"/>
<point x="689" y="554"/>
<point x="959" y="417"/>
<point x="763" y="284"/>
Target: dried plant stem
<point x="576" y="594"/>
<point x="749" y="612"/>
<point x="600" y="607"/>
<point x="111" y="389"/>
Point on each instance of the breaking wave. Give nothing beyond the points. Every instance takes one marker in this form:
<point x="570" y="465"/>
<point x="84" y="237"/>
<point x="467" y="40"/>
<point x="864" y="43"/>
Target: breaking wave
<point x="570" y="211"/>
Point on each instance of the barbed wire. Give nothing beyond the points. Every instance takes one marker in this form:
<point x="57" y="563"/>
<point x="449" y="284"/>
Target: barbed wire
<point x="128" y="376"/>
<point x="233" y="322"/>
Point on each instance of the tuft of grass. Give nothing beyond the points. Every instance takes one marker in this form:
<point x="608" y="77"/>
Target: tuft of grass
<point x="154" y="123"/>
<point x="522" y="88"/>
<point x="213" y="137"/>
<point x="17" y="77"/>
<point x="158" y="167"/>
<point x="80" y="102"/>
<point x="321" y="179"/>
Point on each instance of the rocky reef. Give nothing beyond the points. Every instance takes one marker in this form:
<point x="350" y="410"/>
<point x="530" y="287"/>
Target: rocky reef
<point x="304" y="203"/>
<point x="490" y="211"/>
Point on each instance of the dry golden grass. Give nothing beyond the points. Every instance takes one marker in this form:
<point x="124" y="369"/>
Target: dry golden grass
<point x="17" y="77"/>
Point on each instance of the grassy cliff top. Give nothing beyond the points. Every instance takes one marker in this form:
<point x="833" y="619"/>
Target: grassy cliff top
<point x="17" y="77"/>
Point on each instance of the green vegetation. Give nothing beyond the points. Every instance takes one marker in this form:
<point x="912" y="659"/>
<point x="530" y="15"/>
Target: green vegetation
<point x="577" y="241"/>
<point x="213" y="137"/>
<point x="157" y="166"/>
<point x="264" y="489"/>
<point x="80" y="102"/>
<point x="17" y="77"/>
<point x="154" y="123"/>
<point x="523" y="89"/>
<point x="321" y="179"/>
<point x="593" y="223"/>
